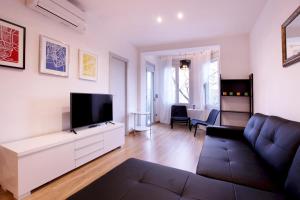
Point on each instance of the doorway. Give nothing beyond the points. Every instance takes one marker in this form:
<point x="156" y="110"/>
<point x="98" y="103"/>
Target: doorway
<point x="118" y="87"/>
<point x="150" y="69"/>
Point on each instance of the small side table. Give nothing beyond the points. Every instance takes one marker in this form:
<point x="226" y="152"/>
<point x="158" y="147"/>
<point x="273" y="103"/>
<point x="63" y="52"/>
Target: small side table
<point x="139" y="124"/>
<point x="195" y="113"/>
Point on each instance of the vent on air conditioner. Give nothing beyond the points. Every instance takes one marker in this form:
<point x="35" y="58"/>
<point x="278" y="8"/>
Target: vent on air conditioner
<point x="62" y="11"/>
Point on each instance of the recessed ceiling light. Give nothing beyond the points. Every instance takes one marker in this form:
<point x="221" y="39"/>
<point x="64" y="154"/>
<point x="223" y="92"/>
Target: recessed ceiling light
<point x="180" y="15"/>
<point x="159" y="19"/>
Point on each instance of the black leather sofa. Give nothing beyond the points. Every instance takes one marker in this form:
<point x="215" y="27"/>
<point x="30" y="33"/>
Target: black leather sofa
<point x="260" y="162"/>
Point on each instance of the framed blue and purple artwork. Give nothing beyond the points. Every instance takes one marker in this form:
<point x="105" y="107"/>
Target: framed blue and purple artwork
<point x="54" y="57"/>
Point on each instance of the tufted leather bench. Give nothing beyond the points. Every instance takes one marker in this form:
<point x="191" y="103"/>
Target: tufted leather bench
<point x="140" y="180"/>
<point x="260" y="162"/>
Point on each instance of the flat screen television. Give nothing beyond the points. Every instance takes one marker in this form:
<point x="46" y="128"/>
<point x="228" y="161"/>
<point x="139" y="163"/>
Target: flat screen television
<point x="90" y="109"/>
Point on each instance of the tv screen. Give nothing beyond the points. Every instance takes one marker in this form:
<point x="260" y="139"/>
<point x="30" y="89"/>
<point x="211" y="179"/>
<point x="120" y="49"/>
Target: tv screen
<point x="90" y="109"/>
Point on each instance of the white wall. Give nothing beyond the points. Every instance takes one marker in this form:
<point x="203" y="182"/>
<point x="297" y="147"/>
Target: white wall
<point x="234" y="60"/>
<point x="32" y="103"/>
<point x="276" y="89"/>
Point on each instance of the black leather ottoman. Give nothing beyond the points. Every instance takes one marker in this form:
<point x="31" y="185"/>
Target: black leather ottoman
<point x="140" y="180"/>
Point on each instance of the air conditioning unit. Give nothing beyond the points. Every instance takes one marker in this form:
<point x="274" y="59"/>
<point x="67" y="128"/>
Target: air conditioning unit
<point x="62" y="11"/>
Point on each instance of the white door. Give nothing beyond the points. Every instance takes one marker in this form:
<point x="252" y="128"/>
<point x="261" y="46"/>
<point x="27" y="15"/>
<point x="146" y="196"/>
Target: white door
<point x="118" y="89"/>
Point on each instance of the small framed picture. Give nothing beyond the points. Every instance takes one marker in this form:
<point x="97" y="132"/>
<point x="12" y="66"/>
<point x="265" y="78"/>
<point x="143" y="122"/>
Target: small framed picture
<point x="12" y="45"/>
<point x="88" y="65"/>
<point x="54" y="57"/>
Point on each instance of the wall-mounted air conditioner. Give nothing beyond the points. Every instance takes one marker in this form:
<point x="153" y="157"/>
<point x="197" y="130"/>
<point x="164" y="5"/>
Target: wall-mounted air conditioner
<point x="61" y="10"/>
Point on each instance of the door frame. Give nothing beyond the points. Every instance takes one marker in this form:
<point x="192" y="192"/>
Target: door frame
<point x="126" y="61"/>
<point x="150" y="67"/>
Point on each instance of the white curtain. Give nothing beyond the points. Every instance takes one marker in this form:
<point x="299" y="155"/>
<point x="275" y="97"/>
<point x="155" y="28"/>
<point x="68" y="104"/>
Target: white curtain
<point x="200" y="64"/>
<point x="168" y="97"/>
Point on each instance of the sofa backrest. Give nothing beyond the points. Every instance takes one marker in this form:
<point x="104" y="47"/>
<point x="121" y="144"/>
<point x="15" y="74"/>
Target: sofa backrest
<point x="292" y="184"/>
<point x="277" y="143"/>
<point x="253" y="128"/>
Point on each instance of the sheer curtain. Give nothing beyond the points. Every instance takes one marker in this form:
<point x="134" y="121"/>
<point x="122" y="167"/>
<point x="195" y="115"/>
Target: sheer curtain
<point x="200" y="66"/>
<point x="199" y="75"/>
<point x="168" y="88"/>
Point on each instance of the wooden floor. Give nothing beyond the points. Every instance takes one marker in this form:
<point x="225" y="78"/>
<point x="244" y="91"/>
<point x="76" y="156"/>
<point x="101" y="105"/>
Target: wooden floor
<point x="171" y="147"/>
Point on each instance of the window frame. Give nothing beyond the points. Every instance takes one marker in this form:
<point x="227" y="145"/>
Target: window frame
<point x="177" y="68"/>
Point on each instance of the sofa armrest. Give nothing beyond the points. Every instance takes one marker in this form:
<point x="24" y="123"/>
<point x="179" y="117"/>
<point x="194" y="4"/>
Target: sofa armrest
<point x="225" y="131"/>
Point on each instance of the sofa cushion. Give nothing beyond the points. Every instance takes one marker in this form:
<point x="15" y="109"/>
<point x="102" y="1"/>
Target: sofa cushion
<point x="277" y="143"/>
<point x="234" y="161"/>
<point x="180" y="118"/>
<point x="136" y="179"/>
<point x="253" y="128"/>
<point x="203" y="188"/>
<point x="247" y="193"/>
<point x="292" y="184"/>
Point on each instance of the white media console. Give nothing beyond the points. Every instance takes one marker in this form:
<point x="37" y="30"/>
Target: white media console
<point x="30" y="163"/>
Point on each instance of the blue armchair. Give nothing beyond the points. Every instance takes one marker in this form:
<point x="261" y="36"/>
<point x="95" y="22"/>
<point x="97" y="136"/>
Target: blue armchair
<point x="212" y="117"/>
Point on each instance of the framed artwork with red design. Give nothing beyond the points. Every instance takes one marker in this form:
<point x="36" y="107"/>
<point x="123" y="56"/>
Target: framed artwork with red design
<point x="12" y="45"/>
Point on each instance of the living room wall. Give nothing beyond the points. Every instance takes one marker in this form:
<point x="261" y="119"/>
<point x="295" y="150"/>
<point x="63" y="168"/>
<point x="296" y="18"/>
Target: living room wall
<point x="234" y="58"/>
<point x="32" y="103"/>
<point x="276" y="89"/>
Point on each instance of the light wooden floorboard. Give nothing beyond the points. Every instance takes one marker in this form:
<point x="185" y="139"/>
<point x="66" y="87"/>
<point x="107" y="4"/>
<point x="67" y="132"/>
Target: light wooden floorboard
<point x="176" y="148"/>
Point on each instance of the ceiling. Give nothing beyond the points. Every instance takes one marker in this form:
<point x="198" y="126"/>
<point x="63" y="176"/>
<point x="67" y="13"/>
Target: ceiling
<point x="135" y="20"/>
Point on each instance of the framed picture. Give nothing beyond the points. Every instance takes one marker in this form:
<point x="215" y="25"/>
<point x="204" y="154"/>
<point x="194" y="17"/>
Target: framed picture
<point x="54" y="57"/>
<point x="12" y="45"/>
<point x="88" y="65"/>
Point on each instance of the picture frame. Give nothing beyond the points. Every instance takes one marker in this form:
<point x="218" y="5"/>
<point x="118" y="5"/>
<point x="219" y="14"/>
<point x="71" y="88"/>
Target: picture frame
<point x="88" y="65"/>
<point x="12" y="45"/>
<point x="54" y="57"/>
<point x="290" y="39"/>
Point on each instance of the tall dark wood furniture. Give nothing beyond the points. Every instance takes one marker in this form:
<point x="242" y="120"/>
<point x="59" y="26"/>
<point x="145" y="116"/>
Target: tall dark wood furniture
<point x="241" y="92"/>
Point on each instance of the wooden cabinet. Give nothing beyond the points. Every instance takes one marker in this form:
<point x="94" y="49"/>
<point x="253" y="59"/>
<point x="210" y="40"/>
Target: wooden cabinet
<point x="236" y="101"/>
<point x="30" y="163"/>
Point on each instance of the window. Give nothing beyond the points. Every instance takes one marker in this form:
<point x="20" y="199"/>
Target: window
<point x="212" y="92"/>
<point x="183" y="85"/>
<point x="181" y="78"/>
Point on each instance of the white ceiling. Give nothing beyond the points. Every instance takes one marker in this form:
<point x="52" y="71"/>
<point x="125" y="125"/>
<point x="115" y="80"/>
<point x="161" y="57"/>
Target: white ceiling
<point x="135" y="20"/>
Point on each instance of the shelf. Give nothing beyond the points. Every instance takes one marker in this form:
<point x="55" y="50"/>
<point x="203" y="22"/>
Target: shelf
<point x="234" y="79"/>
<point x="234" y="111"/>
<point x="235" y="86"/>
<point x="230" y="88"/>
<point x="234" y="96"/>
<point x="234" y="127"/>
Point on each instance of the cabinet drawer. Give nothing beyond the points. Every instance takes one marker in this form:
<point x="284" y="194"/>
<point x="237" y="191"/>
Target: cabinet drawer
<point x="87" y="141"/>
<point x="88" y="149"/>
<point x="38" y="168"/>
<point x="89" y="157"/>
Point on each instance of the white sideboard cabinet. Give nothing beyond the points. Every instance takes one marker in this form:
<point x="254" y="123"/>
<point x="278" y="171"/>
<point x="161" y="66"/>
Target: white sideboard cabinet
<point x="30" y="163"/>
